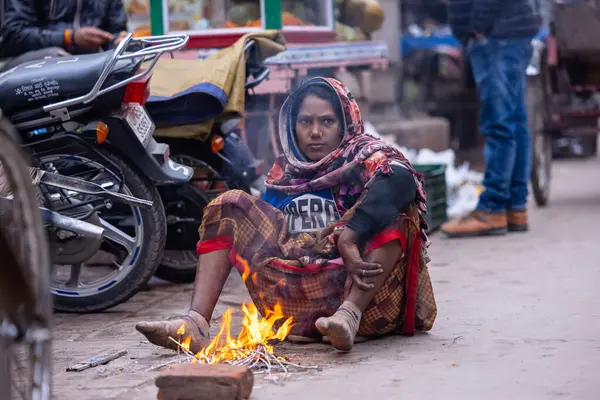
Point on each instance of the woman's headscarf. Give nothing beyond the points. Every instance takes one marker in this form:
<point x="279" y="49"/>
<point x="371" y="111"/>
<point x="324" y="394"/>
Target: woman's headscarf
<point x="350" y="168"/>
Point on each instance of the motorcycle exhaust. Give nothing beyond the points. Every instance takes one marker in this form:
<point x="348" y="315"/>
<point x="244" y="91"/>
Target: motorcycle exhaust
<point x="71" y="224"/>
<point x="60" y="221"/>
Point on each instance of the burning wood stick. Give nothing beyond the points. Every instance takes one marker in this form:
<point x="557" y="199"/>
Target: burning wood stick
<point x="259" y="360"/>
<point x="253" y="346"/>
<point x="183" y="348"/>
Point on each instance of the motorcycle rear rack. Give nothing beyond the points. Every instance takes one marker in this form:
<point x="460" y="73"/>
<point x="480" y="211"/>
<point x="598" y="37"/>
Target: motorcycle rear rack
<point x="257" y="70"/>
<point x="153" y="47"/>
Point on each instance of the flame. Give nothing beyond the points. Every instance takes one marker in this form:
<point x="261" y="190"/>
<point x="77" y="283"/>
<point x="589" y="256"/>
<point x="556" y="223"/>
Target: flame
<point x="281" y="282"/>
<point x="186" y="343"/>
<point x="256" y="333"/>
<point x="244" y="263"/>
<point x="256" y="336"/>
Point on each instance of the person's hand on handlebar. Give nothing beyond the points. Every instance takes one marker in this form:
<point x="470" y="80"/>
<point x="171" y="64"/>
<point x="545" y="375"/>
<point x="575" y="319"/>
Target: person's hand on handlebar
<point x="91" y="38"/>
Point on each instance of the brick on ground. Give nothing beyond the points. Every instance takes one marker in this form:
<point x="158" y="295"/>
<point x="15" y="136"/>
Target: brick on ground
<point x="202" y="381"/>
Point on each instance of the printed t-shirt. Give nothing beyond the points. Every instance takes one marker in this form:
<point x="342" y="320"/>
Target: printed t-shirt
<point x="305" y="212"/>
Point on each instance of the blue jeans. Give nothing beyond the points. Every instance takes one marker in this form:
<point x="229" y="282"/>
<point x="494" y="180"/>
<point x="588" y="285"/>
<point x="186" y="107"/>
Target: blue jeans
<point x="499" y="70"/>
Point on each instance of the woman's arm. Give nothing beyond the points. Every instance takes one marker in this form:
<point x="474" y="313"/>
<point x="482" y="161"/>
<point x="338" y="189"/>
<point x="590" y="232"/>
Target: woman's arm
<point x="388" y="196"/>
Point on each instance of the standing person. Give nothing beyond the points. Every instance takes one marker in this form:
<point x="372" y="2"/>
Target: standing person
<point x="36" y="29"/>
<point x="497" y="36"/>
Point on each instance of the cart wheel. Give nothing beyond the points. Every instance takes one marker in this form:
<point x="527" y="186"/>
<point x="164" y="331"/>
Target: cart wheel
<point x="538" y="117"/>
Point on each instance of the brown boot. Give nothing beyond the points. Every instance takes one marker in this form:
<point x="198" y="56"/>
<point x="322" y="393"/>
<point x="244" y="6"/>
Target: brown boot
<point x="477" y="223"/>
<point x="517" y="221"/>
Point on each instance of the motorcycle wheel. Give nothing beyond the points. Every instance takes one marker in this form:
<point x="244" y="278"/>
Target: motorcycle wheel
<point x="179" y="261"/>
<point x="140" y="254"/>
<point x="25" y="304"/>
<point x="538" y="116"/>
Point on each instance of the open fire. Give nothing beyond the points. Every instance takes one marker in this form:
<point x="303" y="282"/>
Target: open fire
<point x="256" y="336"/>
<point x="253" y="347"/>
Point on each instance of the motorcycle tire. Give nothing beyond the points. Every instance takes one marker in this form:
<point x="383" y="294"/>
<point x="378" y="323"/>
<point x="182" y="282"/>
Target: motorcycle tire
<point x="179" y="265"/>
<point x="539" y="123"/>
<point x="182" y="269"/>
<point x="148" y="258"/>
<point x="184" y="273"/>
<point x="25" y="304"/>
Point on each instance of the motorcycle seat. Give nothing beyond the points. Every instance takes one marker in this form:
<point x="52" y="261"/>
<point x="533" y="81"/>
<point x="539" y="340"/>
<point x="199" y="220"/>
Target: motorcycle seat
<point x="35" y="84"/>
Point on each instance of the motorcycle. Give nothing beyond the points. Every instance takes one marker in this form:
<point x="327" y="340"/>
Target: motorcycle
<point x="25" y="306"/>
<point x="25" y="303"/>
<point x="96" y="167"/>
<point x="220" y="163"/>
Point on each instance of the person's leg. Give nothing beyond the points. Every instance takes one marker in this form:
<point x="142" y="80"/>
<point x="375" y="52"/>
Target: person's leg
<point x="387" y="256"/>
<point x="34" y="55"/>
<point x="497" y="70"/>
<point x="342" y="326"/>
<point x="507" y="138"/>
<point x="211" y="274"/>
<point x="521" y="172"/>
<point x="517" y="218"/>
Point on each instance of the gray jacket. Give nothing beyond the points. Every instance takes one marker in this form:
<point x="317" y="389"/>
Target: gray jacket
<point x="36" y="24"/>
<point x="494" y="18"/>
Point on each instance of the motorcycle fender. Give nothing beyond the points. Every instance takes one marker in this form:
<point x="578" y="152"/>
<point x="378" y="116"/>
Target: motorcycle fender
<point x="152" y="160"/>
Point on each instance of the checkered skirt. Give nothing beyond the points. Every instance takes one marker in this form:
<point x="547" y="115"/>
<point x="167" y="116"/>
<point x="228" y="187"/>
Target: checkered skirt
<point x="301" y="273"/>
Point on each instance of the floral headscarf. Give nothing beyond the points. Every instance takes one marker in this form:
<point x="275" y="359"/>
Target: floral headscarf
<point x="350" y="169"/>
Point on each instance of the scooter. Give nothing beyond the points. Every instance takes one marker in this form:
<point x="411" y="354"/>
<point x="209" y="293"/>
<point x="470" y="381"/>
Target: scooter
<point x="83" y="117"/>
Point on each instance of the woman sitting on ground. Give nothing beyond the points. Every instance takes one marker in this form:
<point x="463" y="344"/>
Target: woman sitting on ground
<point x="337" y="239"/>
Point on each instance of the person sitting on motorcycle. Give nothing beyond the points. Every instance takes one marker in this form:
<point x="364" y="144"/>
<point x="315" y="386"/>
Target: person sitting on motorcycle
<point x="37" y="29"/>
<point x="336" y="240"/>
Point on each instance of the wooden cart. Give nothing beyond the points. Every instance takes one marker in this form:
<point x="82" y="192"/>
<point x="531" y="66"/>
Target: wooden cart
<point x="563" y="85"/>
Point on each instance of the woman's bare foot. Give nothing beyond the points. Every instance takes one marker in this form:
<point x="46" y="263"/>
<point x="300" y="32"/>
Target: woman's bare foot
<point x="342" y="326"/>
<point x="158" y="332"/>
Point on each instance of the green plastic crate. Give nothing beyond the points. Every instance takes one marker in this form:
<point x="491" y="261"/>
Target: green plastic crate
<point x="434" y="180"/>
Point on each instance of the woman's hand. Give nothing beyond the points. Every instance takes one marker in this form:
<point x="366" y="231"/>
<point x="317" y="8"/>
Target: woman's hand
<point x="358" y="269"/>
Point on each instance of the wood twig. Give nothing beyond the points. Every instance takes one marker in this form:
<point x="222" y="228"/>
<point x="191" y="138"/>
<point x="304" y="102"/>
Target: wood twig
<point x="259" y="360"/>
<point x="157" y="367"/>
<point x="180" y="346"/>
<point x="96" y="360"/>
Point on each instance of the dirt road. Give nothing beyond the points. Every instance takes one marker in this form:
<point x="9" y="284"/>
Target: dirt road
<point x="519" y="318"/>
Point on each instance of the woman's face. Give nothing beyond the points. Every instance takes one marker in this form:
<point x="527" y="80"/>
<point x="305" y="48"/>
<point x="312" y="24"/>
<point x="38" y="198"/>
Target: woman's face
<point x="317" y="128"/>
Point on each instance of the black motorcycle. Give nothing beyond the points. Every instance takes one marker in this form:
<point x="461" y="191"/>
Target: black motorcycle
<point x="220" y="163"/>
<point x="83" y="121"/>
